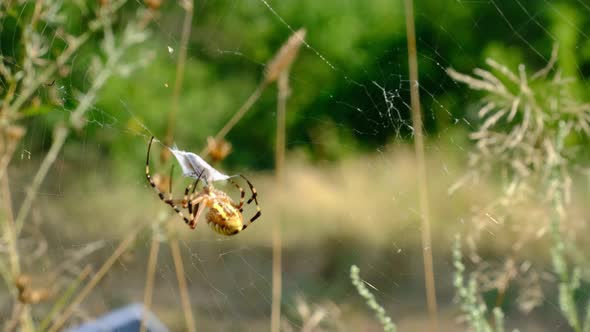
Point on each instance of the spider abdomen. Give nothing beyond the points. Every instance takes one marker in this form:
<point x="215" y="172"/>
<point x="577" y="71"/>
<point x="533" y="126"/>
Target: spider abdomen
<point x="224" y="218"/>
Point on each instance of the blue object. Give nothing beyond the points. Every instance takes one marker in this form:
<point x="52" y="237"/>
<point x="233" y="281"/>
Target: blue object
<point x="126" y="319"/>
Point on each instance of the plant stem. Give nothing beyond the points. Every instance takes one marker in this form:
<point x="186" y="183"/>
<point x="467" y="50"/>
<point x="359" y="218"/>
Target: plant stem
<point x="61" y="133"/>
<point x="239" y="114"/>
<point x="567" y="302"/>
<point x="182" y="288"/>
<point x="186" y="32"/>
<point x="365" y="293"/>
<point x="12" y="323"/>
<point x="421" y="169"/>
<point x="59" y="138"/>
<point x="275" y="313"/>
<point x="7" y="156"/>
<point x="149" y="284"/>
<point x="65" y="297"/>
<point x="95" y="280"/>
<point x="73" y="46"/>
<point x="24" y="313"/>
<point x="283" y="94"/>
<point x="10" y="235"/>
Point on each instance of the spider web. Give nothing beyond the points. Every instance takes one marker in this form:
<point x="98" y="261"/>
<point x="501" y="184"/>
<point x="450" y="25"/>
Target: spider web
<point x="349" y="193"/>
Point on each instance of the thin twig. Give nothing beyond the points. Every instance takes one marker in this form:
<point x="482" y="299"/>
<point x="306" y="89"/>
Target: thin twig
<point x="95" y="280"/>
<point x="10" y="147"/>
<point x="36" y="13"/>
<point x="421" y="167"/>
<point x="73" y="46"/>
<point x="283" y="94"/>
<point x="275" y="319"/>
<point x="12" y="323"/>
<point x="61" y="133"/>
<point x="239" y="114"/>
<point x="11" y="237"/>
<point x="59" y="138"/>
<point x="10" y="234"/>
<point x="79" y="254"/>
<point x="65" y="297"/>
<point x="280" y="63"/>
<point x="182" y="288"/>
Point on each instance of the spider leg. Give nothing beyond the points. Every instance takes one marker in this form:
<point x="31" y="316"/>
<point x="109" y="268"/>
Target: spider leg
<point x="169" y="200"/>
<point x="252" y="189"/>
<point x="198" y="209"/>
<point x="242" y="195"/>
<point x="253" y="198"/>
<point x="256" y="216"/>
<point x="187" y="199"/>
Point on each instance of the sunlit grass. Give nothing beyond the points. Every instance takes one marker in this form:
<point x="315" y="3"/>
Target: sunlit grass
<point x="370" y="199"/>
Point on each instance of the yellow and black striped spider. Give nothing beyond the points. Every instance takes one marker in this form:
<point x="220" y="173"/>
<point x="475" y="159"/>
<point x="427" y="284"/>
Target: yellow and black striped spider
<point x="224" y="215"/>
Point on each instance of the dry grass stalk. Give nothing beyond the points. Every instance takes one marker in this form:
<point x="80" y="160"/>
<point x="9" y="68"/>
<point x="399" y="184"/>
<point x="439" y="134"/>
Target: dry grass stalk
<point x="13" y="137"/>
<point x="149" y="284"/>
<point x="13" y="322"/>
<point x="10" y="233"/>
<point x="23" y="78"/>
<point x="65" y="297"/>
<point x="21" y="312"/>
<point x="275" y="313"/>
<point x="239" y="114"/>
<point x="283" y="94"/>
<point x="182" y="288"/>
<point x="59" y="138"/>
<point x="421" y="167"/>
<point x="285" y="57"/>
<point x="184" y="38"/>
<point x="74" y="44"/>
<point x="281" y="62"/>
<point x="62" y="319"/>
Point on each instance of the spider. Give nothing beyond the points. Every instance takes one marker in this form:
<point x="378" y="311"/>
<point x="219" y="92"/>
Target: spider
<point x="224" y="215"/>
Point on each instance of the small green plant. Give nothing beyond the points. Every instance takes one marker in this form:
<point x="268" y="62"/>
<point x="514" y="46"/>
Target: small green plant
<point x="473" y="307"/>
<point x="37" y="71"/>
<point x="386" y="322"/>
<point x="532" y="131"/>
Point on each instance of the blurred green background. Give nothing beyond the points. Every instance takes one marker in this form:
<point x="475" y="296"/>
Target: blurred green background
<point x="349" y="195"/>
<point x="353" y="45"/>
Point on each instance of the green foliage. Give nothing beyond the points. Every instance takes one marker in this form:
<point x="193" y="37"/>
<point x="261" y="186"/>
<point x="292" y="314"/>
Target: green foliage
<point x="532" y="128"/>
<point x="365" y="293"/>
<point x="332" y="82"/>
<point x="568" y="281"/>
<point x="473" y="307"/>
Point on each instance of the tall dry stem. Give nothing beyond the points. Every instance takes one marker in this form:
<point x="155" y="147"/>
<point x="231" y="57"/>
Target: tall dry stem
<point x="281" y="62"/>
<point x="283" y="94"/>
<point x="188" y="6"/>
<point x="238" y="115"/>
<point x="421" y="167"/>
<point x="182" y="288"/>
<point x="65" y="297"/>
<point x="62" y="319"/>
<point x="23" y="81"/>
<point x="149" y="284"/>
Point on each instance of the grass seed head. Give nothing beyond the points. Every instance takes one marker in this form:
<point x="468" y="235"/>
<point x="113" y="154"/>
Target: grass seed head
<point x="285" y="57"/>
<point x="218" y="149"/>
